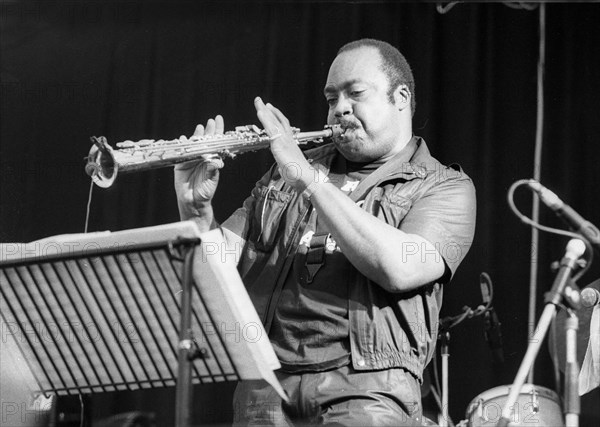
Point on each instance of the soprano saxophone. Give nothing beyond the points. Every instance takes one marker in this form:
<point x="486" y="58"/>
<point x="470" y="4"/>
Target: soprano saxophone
<point x="105" y="162"/>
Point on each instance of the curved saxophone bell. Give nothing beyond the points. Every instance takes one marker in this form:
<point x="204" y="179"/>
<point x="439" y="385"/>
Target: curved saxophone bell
<point x="101" y="164"/>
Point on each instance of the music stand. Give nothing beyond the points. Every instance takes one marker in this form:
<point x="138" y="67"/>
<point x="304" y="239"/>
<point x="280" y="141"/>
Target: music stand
<point x="100" y="312"/>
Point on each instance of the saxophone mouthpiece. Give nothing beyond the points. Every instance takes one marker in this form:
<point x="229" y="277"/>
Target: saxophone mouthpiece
<point x="336" y="130"/>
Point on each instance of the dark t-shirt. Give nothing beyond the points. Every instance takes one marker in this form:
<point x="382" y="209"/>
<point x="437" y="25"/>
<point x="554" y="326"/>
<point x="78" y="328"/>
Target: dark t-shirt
<point x="310" y="326"/>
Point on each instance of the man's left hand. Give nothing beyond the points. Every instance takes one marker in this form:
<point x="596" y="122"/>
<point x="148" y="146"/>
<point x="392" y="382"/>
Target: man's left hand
<point x="294" y="167"/>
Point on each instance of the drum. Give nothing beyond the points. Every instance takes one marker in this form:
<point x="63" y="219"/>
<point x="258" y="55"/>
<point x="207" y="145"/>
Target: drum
<point x="535" y="406"/>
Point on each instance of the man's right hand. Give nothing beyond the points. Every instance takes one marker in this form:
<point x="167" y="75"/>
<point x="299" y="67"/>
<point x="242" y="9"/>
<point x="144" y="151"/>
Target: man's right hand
<point x="196" y="181"/>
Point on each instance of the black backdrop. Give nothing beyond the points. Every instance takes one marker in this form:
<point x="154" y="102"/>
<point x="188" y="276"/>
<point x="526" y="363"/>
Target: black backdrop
<point x="136" y="70"/>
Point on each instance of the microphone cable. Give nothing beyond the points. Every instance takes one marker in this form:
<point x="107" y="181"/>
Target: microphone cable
<point x="89" y="204"/>
<point x="531" y="222"/>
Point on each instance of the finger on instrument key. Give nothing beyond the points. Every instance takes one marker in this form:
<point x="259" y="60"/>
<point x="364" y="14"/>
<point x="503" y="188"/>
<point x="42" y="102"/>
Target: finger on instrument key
<point x="266" y="117"/>
<point x="219" y="124"/>
<point x="199" y="131"/>
<point x="280" y="116"/>
<point x="210" y="127"/>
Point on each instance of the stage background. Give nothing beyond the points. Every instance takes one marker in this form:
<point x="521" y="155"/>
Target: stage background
<point x="131" y="70"/>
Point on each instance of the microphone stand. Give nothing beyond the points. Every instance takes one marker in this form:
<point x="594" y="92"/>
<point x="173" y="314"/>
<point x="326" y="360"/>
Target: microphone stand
<point x="445" y="325"/>
<point x="563" y="291"/>
<point x="445" y="339"/>
<point x="448" y="323"/>
<point x="571" y="397"/>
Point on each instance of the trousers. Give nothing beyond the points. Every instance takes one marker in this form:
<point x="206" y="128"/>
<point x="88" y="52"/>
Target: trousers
<point x="340" y="396"/>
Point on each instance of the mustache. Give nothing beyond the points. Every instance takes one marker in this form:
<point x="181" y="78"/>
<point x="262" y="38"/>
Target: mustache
<point x="348" y="124"/>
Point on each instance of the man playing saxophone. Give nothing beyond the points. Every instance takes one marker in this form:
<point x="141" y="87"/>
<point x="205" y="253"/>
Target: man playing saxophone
<point x="345" y="249"/>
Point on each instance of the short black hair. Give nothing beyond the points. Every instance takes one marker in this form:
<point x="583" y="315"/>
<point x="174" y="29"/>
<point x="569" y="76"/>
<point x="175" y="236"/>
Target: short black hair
<point x="393" y="64"/>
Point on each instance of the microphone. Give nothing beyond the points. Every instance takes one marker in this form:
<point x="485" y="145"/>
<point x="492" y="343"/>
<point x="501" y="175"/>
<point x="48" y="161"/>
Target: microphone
<point x="493" y="333"/>
<point x="590" y="297"/>
<point x="567" y="214"/>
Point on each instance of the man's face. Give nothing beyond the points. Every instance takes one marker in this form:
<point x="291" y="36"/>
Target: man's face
<point x="357" y="94"/>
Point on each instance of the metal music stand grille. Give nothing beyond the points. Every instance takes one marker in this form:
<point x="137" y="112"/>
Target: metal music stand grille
<point x="101" y="312"/>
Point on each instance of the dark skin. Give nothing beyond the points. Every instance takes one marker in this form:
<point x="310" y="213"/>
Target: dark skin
<point x="357" y="94"/>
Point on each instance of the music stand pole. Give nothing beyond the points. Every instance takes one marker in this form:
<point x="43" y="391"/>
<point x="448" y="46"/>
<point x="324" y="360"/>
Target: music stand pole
<point x="185" y="355"/>
<point x="575" y="249"/>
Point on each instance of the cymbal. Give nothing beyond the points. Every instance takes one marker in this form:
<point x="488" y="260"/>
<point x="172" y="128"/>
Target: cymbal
<point x="557" y="339"/>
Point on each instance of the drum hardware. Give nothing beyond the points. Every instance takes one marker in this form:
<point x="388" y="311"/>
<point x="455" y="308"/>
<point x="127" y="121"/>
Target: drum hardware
<point x="444" y="336"/>
<point x="536" y="406"/>
<point x="480" y="408"/>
